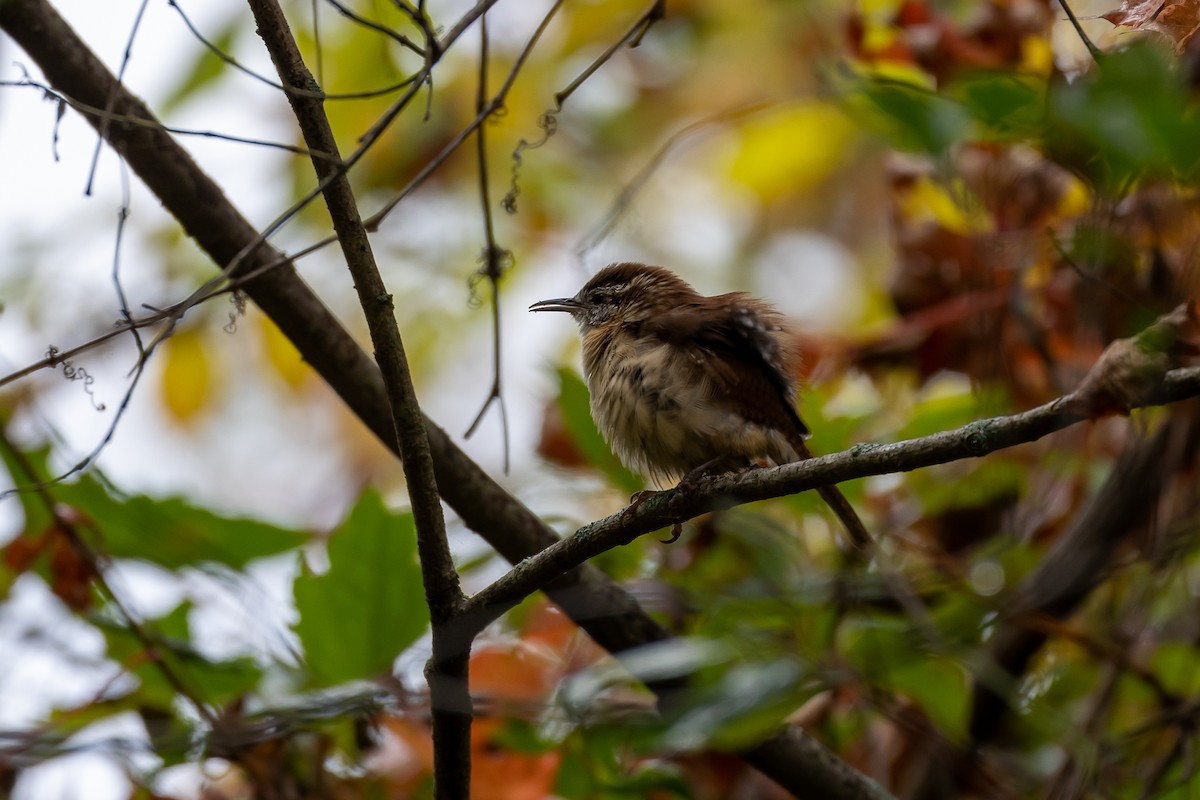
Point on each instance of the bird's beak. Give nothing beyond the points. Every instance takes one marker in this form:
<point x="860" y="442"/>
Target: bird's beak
<point x="568" y="304"/>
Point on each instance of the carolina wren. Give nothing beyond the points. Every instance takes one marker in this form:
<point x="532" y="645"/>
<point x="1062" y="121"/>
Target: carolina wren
<point x="684" y="385"/>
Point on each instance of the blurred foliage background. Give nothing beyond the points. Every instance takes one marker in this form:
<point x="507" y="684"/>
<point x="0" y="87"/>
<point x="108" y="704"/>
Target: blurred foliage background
<point x="957" y="202"/>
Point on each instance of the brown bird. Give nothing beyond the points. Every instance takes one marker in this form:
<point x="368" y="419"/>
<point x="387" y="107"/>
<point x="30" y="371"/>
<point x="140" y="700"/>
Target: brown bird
<point x="684" y="385"/>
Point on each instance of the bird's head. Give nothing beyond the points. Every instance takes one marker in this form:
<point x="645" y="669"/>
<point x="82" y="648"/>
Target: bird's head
<point x="622" y="293"/>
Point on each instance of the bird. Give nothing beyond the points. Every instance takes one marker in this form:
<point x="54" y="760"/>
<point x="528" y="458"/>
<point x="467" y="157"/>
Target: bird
<point x="683" y="385"/>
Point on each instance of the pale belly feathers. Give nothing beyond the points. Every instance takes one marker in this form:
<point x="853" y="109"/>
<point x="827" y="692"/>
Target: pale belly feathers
<point x="661" y="418"/>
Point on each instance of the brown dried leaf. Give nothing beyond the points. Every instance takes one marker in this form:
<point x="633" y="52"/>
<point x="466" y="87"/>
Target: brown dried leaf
<point x="1177" y="20"/>
<point x="71" y="574"/>
<point x="19" y="554"/>
<point x="1135" y="13"/>
<point x="555" y="443"/>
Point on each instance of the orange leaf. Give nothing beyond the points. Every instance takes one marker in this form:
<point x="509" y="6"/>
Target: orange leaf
<point x="514" y="671"/>
<point x="500" y="774"/>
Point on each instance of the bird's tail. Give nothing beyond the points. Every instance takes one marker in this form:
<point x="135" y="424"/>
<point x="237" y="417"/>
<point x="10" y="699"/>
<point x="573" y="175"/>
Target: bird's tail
<point x="837" y="501"/>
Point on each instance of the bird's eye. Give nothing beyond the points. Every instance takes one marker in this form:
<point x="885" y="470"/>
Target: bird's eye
<point x="595" y="297"/>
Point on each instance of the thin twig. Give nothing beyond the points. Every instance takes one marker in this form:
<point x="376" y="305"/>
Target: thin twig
<point x="1091" y="277"/>
<point x="633" y="37"/>
<point x="233" y="284"/>
<point x="548" y="120"/>
<point x="122" y="217"/>
<point x="229" y="279"/>
<point x="107" y="117"/>
<point x="103" y="132"/>
<point x="304" y="92"/>
<point x="109" y="433"/>
<point x="629" y="191"/>
<point x="1096" y="53"/>
<point x="494" y="258"/>
<point x="497" y="103"/>
<point x="1158" y="770"/>
<point x="396" y="36"/>
<point x="320" y="51"/>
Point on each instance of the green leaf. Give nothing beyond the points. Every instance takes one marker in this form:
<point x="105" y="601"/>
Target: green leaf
<point x="577" y="415"/>
<point x="889" y="653"/>
<point x="212" y="682"/>
<point x="523" y="737"/>
<point x="596" y="765"/>
<point x="205" y="69"/>
<point x="1175" y="665"/>
<point x="673" y="658"/>
<point x="876" y="643"/>
<point x="1009" y="105"/>
<point x="941" y="688"/>
<point x="941" y="409"/>
<point x="912" y="118"/>
<point x="370" y="605"/>
<point x="1133" y="116"/>
<point x="973" y="485"/>
<point x="37" y="516"/>
<point x="741" y="708"/>
<point x="173" y="533"/>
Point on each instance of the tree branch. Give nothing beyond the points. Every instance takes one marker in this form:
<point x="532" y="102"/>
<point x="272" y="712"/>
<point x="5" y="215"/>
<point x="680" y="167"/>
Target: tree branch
<point x="448" y="668"/>
<point x="668" y="508"/>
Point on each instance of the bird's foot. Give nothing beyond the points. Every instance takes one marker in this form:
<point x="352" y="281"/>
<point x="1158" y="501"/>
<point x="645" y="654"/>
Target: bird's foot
<point x="695" y="478"/>
<point x="636" y="499"/>
<point x="635" y="502"/>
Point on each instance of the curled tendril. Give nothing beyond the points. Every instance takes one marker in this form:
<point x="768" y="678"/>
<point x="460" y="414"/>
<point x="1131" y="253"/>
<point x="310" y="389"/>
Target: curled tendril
<point x="493" y="263"/>
<point x="74" y="373"/>
<point x="548" y="122"/>
<point x="238" y="300"/>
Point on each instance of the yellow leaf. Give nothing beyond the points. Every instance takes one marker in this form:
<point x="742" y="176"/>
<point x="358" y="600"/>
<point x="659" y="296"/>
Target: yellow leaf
<point x="791" y="151"/>
<point x="186" y="379"/>
<point x="927" y="201"/>
<point x="282" y="354"/>
<point x="1037" y="56"/>
<point x="1076" y="198"/>
<point x="885" y="70"/>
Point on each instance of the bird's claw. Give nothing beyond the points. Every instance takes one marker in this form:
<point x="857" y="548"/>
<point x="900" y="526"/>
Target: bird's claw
<point x="637" y="498"/>
<point x="676" y="532"/>
<point x="635" y="501"/>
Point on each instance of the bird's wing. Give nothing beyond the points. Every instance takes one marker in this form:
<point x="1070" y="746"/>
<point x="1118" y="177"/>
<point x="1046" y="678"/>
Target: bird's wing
<point x="741" y="346"/>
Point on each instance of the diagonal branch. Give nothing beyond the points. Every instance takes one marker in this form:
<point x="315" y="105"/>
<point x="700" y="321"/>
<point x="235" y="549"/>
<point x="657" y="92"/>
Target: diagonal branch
<point x="448" y="670"/>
